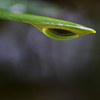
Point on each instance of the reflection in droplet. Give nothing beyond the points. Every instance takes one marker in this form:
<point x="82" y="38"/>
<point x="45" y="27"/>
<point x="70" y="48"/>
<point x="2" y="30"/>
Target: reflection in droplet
<point x="61" y="32"/>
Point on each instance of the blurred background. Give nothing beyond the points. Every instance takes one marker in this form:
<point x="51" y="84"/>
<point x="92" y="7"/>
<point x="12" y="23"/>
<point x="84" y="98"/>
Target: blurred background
<point x="36" y="67"/>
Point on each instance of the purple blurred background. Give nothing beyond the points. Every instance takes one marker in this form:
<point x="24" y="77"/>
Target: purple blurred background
<point x="36" y="67"/>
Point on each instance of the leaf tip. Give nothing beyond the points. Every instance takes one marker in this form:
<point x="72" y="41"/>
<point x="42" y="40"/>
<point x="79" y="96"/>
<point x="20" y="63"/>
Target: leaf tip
<point x="94" y="31"/>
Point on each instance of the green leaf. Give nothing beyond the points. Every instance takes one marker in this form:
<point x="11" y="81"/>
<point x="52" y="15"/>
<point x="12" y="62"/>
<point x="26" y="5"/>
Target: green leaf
<point x="53" y="28"/>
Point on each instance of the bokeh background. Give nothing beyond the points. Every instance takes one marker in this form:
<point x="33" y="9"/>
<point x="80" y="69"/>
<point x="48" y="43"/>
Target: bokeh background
<point x="36" y="67"/>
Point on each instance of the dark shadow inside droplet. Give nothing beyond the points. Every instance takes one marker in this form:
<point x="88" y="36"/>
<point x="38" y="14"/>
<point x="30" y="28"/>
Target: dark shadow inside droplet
<point x="61" y="32"/>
